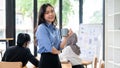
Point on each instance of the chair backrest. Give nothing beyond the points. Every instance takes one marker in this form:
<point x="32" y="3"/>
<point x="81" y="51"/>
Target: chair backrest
<point x="10" y="64"/>
<point x="102" y="64"/>
<point x="95" y="60"/>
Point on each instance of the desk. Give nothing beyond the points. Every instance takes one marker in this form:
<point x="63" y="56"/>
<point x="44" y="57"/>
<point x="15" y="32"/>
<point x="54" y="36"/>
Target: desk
<point x="85" y="63"/>
<point x="66" y="65"/>
<point x="6" y="40"/>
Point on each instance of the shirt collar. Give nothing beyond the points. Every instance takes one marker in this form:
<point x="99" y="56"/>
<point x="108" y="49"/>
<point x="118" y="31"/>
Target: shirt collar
<point x="50" y="25"/>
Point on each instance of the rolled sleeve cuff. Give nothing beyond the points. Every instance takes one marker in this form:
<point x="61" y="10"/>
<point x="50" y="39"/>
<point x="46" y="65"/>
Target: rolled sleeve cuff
<point x="60" y="47"/>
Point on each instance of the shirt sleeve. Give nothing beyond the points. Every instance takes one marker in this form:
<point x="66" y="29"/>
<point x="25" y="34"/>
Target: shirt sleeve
<point x="31" y="58"/>
<point x="43" y="39"/>
<point x="59" y="41"/>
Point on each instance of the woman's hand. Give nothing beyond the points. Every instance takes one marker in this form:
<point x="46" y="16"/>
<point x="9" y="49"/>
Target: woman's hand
<point x="64" y="39"/>
<point x="55" y="51"/>
<point x="70" y="33"/>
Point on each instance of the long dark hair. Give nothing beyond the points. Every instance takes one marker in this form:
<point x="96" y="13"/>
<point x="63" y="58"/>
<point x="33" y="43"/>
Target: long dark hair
<point x="42" y="12"/>
<point x="22" y="38"/>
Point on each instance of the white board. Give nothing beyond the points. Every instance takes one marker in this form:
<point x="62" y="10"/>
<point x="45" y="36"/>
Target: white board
<point x="90" y="40"/>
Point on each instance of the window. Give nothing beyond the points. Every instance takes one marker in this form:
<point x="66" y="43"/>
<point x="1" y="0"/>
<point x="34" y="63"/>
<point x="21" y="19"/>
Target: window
<point x="2" y="23"/>
<point x="92" y="11"/>
<point x="2" y="19"/>
<point x="24" y="19"/>
<point x="70" y="14"/>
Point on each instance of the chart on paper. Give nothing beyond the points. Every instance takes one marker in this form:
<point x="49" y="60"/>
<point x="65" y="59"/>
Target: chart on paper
<point x="90" y="40"/>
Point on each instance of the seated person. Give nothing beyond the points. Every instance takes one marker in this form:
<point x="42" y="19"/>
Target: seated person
<point x="20" y="53"/>
<point x="71" y="53"/>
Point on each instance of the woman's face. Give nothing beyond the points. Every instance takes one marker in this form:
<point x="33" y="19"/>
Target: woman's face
<point x="49" y="14"/>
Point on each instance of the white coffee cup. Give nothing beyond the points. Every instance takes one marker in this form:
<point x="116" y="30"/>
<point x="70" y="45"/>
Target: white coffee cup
<point x="64" y="32"/>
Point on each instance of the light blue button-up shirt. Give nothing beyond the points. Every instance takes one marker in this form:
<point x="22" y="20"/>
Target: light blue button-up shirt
<point x="47" y="36"/>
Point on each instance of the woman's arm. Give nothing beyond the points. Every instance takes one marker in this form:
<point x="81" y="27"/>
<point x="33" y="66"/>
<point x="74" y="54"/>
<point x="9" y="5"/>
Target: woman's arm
<point x="31" y="58"/>
<point x="64" y="39"/>
<point x="63" y="43"/>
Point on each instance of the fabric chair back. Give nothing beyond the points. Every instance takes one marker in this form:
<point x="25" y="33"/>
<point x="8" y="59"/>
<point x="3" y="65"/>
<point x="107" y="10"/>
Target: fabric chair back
<point x="10" y="64"/>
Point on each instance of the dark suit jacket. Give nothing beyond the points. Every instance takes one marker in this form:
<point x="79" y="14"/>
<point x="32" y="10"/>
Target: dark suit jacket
<point x="22" y="54"/>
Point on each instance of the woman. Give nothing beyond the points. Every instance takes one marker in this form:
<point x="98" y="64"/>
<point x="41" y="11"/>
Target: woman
<point x="71" y="53"/>
<point x="48" y="38"/>
<point x="20" y="53"/>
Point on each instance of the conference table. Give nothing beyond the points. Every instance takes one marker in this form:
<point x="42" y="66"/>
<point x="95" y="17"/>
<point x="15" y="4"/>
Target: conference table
<point x="64" y="65"/>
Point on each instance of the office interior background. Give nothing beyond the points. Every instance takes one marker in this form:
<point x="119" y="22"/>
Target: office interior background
<point x="96" y="23"/>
